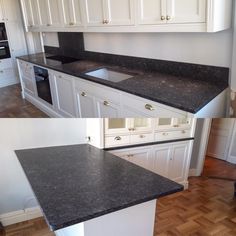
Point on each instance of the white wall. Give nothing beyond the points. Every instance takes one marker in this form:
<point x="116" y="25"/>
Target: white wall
<point x="200" y="48"/>
<point x="15" y="193"/>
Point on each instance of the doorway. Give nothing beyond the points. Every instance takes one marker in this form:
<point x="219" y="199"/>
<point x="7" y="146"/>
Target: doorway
<point x="219" y="163"/>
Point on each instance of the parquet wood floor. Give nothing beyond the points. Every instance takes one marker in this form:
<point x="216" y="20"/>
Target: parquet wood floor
<point x="13" y="106"/>
<point x="206" y="208"/>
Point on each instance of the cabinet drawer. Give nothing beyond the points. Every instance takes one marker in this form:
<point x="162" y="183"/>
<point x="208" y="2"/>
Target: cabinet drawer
<point x="172" y="135"/>
<point x="6" y="63"/>
<point x="7" y="73"/>
<point x="147" y="108"/>
<point x="141" y="138"/>
<point x="117" y="140"/>
<point x="105" y="93"/>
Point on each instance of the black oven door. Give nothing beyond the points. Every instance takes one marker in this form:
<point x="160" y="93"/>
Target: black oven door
<point x="4" y="50"/>
<point x="3" y="32"/>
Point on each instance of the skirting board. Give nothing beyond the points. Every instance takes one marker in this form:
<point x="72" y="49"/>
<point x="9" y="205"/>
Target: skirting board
<point x="192" y="172"/>
<point x="20" y="216"/>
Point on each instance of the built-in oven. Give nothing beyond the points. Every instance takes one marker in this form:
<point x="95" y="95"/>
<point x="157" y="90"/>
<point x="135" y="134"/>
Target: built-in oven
<point x="43" y="84"/>
<point x="4" y="50"/>
<point x="3" y="32"/>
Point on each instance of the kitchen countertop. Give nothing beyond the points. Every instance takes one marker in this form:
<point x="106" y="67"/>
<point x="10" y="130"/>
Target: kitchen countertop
<point x="183" y="93"/>
<point x="77" y="183"/>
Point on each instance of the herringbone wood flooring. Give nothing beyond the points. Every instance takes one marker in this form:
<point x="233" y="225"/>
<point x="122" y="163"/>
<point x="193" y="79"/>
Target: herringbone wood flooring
<point x="206" y="208"/>
<point x="13" y="106"/>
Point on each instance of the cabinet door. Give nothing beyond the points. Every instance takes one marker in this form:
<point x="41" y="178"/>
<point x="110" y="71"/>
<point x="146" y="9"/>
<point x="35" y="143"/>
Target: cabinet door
<point x="164" y="123"/>
<point x="120" y="12"/>
<point x="95" y="12"/>
<point x="142" y="124"/>
<point x="183" y="123"/>
<point x="36" y="12"/>
<point x="11" y="9"/>
<point x="54" y="13"/>
<point x="178" y="162"/>
<point x="43" y="12"/>
<point x="1" y="11"/>
<point x="64" y="88"/>
<point x="107" y="109"/>
<point x="185" y="11"/>
<point x="29" y="21"/>
<point x="76" y="19"/>
<point x="151" y="12"/>
<point x="161" y="156"/>
<point x="86" y="103"/>
<point x="117" y="126"/>
<point x="141" y="157"/>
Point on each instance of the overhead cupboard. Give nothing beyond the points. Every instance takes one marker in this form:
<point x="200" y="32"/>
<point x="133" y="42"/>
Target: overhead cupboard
<point x="127" y="15"/>
<point x="137" y="140"/>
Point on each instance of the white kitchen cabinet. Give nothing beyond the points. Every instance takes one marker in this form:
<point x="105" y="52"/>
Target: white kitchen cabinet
<point x="28" y="11"/>
<point x="86" y="103"/>
<point x="151" y="12"/>
<point x="50" y="13"/>
<point x="134" y="106"/>
<point x="154" y="12"/>
<point x="120" y="12"/>
<point x="109" y="12"/>
<point x="1" y="11"/>
<point x="178" y="162"/>
<point x="185" y="11"/>
<point x="161" y="157"/>
<point x="11" y="10"/>
<point x="72" y="13"/>
<point x="95" y="12"/>
<point x="65" y="95"/>
<point x="171" y="160"/>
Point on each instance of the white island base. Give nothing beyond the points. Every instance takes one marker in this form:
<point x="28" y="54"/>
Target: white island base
<point x="138" y="220"/>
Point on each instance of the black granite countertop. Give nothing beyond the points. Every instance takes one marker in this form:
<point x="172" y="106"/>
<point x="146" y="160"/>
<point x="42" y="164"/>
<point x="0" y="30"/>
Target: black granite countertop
<point x="187" y="93"/>
<point x="77" y="183"/>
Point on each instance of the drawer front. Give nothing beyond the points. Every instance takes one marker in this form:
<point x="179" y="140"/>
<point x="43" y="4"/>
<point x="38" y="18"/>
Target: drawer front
<point x="6" y="63"/>
<point x="141" y="138"/>
<point x="114" y="141"/>
<point x="105" y="93"/>
<point x="6" y="73"/>
<point x="148" y="108"/>
<point x="172" y="135"/>
<point x="26" y="69"/>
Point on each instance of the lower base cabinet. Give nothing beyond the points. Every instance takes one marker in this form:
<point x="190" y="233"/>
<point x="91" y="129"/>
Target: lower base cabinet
<point x="171" y="160"/>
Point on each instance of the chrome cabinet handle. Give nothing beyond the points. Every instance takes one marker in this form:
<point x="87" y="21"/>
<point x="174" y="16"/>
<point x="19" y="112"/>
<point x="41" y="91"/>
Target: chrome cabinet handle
<point x="183" y="132"/>
<point x="106" y="103"/>
<point x="71" y="23"/>
<point x="48" y="24"/>
<point x="83" y="94"/>
<point x="131" y="129"/>
<point x="165" y="134"/>
<point x="105" y="22"/>
<point x="118" y="138"/>
<point x="142" y="136"/>
<point x="149" y="107"/>
<point x="168" y="18"/>
<point x="131" y="155"/>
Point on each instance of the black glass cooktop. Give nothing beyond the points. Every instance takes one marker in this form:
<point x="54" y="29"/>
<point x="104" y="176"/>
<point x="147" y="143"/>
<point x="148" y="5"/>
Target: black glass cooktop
<point x="62" y="59"/>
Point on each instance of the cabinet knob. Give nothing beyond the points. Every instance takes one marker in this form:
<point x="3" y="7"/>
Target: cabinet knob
<point x="142" y="136"/>
<point x="163" y="17"/>
<point x="149" y="107"/>
<point x="168" y="18"/>
<point x="118" y="138"/>
<point x="105" y="22"/>
<point x="183" y="132"/>
<point x="165" y="134"/>
<point x="48" y="24"/>
<point x="176" y="126"/>
<point x="106" y="103"/>
<point x="71" y="23"/>
<point x="131" y="129"/>
<point x="83" y="94"/>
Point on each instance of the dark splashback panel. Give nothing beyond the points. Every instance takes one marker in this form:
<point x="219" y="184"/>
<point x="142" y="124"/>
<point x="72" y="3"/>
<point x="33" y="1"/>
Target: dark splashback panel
<point x="72" y="45"/>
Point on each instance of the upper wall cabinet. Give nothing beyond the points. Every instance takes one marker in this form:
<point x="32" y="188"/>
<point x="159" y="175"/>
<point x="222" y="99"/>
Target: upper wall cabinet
<point x="128" y="15"/>
<point x="109" y="12"/>
<point x="71" y="13"/>
<point x="1" y="11"/>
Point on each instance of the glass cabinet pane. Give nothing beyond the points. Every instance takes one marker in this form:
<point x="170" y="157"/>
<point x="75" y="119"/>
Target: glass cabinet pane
<point x="116" y="123"/>
<point x="164" y="121"/>
<point x="141" y="122"/>
<point x="183" y="121"/>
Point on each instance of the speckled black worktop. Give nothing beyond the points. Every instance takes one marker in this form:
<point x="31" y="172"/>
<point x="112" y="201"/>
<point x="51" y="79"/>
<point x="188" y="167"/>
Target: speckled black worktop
<point x="77" y="183"/>
<point x="187" y="87"/>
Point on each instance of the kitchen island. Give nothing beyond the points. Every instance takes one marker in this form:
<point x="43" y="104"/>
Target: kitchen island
<point x="86" y="191"/>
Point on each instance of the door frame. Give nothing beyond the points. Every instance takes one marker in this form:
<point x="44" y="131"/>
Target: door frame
<point x="206" y="129"/>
